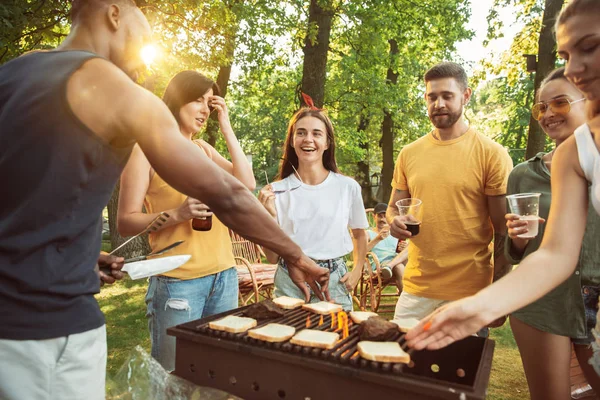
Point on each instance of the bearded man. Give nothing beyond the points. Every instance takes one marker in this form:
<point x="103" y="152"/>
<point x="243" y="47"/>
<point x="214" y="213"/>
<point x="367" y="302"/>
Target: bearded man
<point x="460" y="176"/>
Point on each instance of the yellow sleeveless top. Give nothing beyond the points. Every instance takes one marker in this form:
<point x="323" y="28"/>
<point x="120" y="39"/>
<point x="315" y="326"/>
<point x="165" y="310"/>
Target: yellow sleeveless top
<point x="211" y="251"/>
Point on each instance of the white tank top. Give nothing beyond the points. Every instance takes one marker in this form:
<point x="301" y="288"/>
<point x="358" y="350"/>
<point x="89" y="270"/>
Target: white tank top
<point x="589" y="159"/>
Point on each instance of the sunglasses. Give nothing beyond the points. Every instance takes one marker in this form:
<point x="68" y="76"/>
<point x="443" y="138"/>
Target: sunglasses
<point x="559" y="106"/>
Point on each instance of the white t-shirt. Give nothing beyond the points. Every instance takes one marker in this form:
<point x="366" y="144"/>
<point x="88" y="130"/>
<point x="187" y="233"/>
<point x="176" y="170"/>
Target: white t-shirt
<point x="589" y="159"/>
<point x="317" y="217"/>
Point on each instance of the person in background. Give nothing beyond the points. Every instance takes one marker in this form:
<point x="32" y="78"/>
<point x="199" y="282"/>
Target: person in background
<point x="384" y="246"/>
<point x="574" y="170"/>
<point x="208" y="283"/>
<point x="460" y="176"/>
<point x="316" y="206"/>
<point x="545" y="329"/>
<point x="68" y="121"/>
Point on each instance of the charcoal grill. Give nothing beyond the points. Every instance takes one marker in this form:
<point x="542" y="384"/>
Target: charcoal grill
<point x="254" y="369"/>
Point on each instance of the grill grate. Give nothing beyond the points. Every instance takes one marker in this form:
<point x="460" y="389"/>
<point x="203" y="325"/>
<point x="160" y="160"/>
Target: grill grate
<point x="205" y="356"/>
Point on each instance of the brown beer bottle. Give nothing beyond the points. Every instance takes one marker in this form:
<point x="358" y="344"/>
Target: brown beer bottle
<point x="202" y="224"/>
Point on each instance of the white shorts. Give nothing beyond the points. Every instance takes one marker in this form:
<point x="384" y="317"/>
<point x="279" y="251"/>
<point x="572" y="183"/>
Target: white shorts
<point x="67" y="368"/>
<point x="411" y="306"/>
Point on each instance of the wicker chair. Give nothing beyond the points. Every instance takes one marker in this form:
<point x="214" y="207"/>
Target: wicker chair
<point x="255" y="278"/>
<point x="369" y="292"/>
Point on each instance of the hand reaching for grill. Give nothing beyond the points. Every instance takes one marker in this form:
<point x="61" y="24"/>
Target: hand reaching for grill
<point x="304" y="271"/>
<point x="448" y="324"/>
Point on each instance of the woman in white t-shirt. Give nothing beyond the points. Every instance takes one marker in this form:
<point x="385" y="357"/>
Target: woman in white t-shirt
<point x="316" y="206"/>
<point x="576" y="168"/>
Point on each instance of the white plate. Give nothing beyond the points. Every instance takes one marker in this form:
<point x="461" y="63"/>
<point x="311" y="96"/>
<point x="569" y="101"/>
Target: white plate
<point x="156" y="266"/>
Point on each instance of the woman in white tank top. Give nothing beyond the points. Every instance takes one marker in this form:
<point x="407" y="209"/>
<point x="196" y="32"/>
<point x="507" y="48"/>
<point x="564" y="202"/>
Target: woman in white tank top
<point x="577" y="166"/>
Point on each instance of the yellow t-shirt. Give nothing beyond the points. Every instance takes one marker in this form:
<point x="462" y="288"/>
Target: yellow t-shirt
<point x="451" y="257"/>
<point x="211" y="251"/>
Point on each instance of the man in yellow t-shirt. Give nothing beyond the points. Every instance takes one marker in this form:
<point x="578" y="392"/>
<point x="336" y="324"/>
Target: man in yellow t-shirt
<point x="460" y="176"/>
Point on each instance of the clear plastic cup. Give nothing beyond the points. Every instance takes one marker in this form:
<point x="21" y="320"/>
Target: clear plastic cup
<point x="413" y="211"/>
<point x="527" y="207"/>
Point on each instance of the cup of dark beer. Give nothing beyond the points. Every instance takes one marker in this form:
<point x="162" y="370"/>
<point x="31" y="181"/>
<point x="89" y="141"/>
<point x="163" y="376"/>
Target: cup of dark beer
<point x="202" y="224"/>
<point x="412" y="210"/>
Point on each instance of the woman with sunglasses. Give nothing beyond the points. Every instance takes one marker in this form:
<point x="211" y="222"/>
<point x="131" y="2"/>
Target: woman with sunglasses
<point x="316" y="205"/>
<point x="567" y="314"/>
<point x="208" y="283"/>
<point x="575" y="165"/>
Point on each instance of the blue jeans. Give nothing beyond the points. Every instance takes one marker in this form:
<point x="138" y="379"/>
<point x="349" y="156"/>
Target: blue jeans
<point x="284" y="286"/>
<point x="172" y="301"/>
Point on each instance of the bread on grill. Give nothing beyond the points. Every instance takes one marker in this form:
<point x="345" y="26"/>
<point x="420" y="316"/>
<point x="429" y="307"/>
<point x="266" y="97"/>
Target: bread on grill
<point x="289" y="303"/>
<point x="405" y="324"/>
<point x="315" y="338"/>
<point x="361" y="316"/>
<point x="323" y="307"/>
<point x="272" y="332"/>
<point x="383" y="352"/>
<point x="233" y="324"/>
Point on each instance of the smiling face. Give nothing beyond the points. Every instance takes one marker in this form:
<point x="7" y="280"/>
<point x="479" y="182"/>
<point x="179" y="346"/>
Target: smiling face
<point x="578" y="43"/>
<point x="445" y="101"/>
<point x="381" y="221"/>
<point x="559" y="126"/>
<point x="310" y="140"/>
<point x="193" y="115"/>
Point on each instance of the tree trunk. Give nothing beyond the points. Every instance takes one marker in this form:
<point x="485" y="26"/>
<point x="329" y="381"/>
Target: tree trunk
<point x="315" y="53"/>
<point x="536" y="141"/>
<point x="136" y="247"/>
<point x="364" y="177"/>
<point x="387" y="135"/>
<point x="212" y="127"/>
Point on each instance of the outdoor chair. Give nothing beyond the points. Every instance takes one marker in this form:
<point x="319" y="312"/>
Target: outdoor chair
<point x="255" y="278"/>
<point x="370" y="294"/>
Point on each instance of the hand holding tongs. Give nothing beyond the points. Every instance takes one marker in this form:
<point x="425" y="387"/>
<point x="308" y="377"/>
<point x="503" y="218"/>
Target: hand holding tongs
<point x="154" y="225"/>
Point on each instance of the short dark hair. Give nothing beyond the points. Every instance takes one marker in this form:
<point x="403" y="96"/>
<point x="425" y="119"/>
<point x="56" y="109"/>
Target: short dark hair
<point x="577" y="7"/>
<point x="448" y="70"/>
<point x="83" y="8"/>
<point x="185" y="87"/>
<point x="289" y="154"/>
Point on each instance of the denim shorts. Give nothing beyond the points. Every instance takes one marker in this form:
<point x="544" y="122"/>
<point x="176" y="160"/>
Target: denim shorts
<point x="284" y="286"/>
<point x="590" y="301"/>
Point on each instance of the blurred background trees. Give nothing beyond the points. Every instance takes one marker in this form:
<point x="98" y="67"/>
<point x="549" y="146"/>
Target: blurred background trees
<point x="363" y="61"/>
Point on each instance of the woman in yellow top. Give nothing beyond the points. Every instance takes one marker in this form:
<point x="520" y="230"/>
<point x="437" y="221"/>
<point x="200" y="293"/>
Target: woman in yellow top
<point x="207" y="284"/>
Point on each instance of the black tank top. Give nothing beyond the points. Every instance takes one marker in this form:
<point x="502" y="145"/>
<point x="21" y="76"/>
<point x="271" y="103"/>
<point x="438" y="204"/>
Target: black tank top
<point x="57" y="177"/>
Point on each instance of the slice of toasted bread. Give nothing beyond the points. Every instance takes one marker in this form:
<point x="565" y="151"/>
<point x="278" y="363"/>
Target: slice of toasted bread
<point x="272" y="332"/>
<point x="383" y="352"/>
<point x="361" y="316"/>
<point x="315" y="338"/>
<point x="233" y="324"/>
<point x="323" y="307"/>
<point x="405" y="324"/>
<point x="289" y="303"/>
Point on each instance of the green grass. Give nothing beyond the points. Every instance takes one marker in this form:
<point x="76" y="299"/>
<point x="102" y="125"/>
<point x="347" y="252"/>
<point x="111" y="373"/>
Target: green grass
<point x="124" y="307"/>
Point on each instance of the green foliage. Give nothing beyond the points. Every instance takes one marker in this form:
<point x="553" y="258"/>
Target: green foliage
<point x="27" y="25"/>
<point x="503" y="105"/>
<point x="263" y="39"/>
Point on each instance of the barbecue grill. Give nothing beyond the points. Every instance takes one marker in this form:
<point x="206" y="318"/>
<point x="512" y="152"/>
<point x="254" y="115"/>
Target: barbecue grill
<point x="254" y="369"/>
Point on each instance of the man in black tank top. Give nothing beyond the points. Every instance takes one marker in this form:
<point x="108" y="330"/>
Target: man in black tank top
<point x="68" y="121"/>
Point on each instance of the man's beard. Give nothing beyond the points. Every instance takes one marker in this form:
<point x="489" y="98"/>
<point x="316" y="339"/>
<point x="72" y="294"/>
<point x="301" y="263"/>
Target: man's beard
<point x="447" y="120"/>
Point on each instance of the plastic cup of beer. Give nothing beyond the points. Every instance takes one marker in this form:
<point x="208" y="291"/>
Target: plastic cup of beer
<point x="527" y="207"/>
<point x="413" y="211"/>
